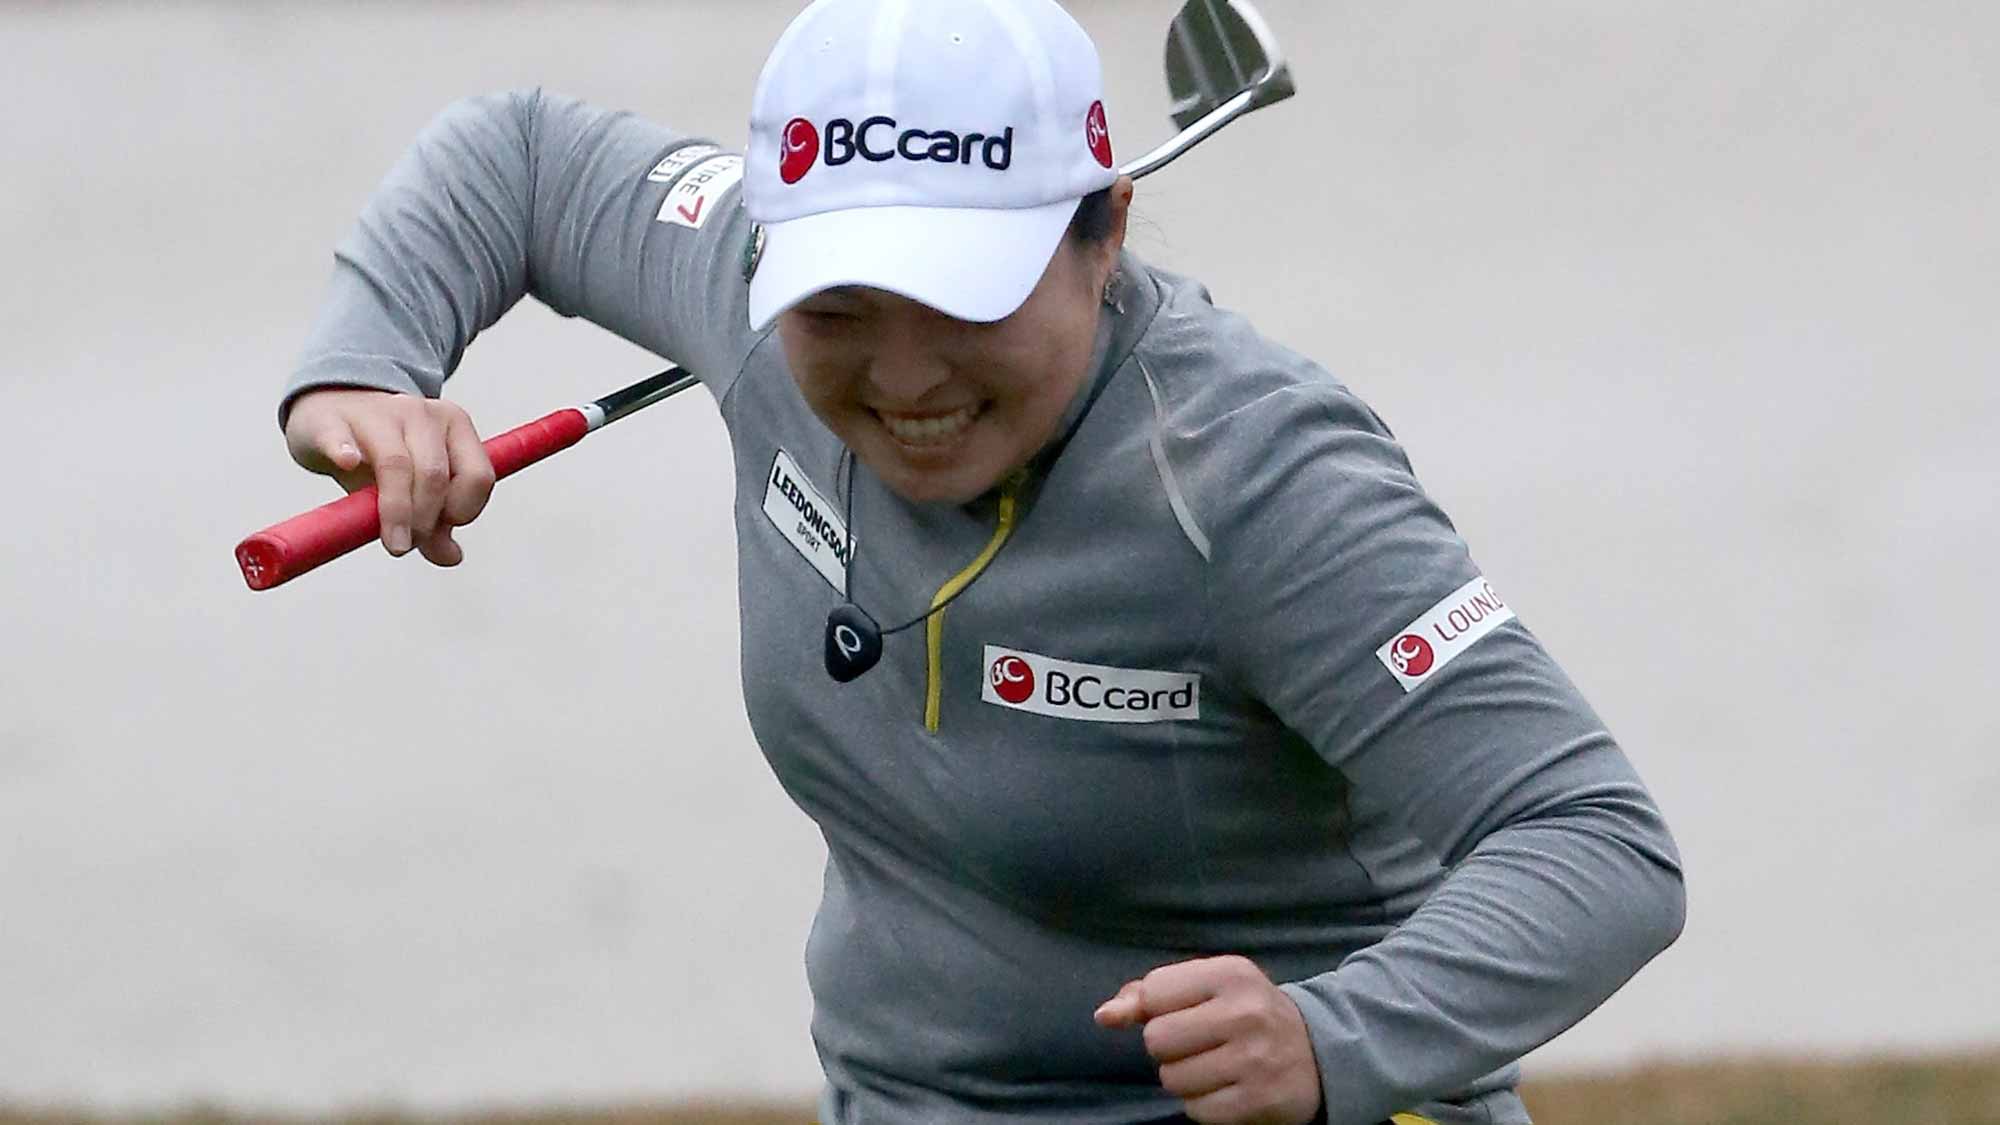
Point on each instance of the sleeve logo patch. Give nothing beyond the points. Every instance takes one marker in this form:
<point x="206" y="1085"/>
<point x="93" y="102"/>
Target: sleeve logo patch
<point x="807" y="521"/>
<point x="1447" y="629"/>
<point x="698" y="194"/>
<point x="679" y="161"/>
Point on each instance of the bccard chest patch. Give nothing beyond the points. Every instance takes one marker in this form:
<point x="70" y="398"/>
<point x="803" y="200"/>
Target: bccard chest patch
<point x="807" y="521"/>
<point x="1091" y="693"/>
<point x="1448" y="628"/>
<point x="699" y="193"/>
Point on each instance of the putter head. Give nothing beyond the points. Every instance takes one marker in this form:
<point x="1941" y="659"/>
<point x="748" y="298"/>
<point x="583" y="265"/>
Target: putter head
<point x="1222" y="62"/>
<point x="1216" y="49"/>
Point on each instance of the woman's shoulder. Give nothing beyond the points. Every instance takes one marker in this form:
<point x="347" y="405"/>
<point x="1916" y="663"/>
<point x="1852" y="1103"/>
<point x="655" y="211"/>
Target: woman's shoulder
<point x="1238" y="411"/>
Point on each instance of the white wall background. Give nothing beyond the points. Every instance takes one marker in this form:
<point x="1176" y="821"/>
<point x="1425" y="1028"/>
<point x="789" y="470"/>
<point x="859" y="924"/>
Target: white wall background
<point x="1684" y="309"/>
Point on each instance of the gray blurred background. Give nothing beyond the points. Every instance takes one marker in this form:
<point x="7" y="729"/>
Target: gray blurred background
<point x="1685" y="310"/>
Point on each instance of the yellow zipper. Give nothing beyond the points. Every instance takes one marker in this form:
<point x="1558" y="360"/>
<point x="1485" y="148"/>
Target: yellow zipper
<point x="934" y="628"/>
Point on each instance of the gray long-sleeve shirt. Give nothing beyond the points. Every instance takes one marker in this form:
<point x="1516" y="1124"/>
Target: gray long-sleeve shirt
<point x="1234" y="684"/>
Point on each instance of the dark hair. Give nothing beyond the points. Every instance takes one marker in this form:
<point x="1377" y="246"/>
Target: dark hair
<point x="1091" y="224"/>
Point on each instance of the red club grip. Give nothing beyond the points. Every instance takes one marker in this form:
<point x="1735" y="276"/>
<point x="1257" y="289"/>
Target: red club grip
<point x="284" y="551"/>
<point x="522" y="446"/>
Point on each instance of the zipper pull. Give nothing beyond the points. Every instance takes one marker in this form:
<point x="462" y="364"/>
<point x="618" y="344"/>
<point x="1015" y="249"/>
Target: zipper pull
<point x="1011" y="487"/>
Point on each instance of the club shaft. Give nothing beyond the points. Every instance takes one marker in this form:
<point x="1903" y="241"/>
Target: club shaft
<point x="1274" y="88"/>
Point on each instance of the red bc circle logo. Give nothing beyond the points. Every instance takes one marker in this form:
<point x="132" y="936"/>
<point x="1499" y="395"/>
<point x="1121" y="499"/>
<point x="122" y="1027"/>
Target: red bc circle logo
<point x="1412" y="655"/>
<point x="1012" y="679"/>
<point x="1098" y="134"/>
<point x="798" y="149"/>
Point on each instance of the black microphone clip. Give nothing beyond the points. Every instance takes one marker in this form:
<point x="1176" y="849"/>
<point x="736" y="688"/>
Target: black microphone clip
<point x="853" y="642"/>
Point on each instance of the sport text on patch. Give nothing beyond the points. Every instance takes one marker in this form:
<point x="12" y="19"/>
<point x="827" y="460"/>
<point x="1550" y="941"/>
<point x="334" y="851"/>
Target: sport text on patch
<point x="1448" y="628"/>
<point x="1094" y="693"/>
<point x="807" y="521"/>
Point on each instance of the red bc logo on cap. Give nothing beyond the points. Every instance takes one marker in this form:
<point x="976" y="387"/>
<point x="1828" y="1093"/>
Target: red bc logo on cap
<point x="798" y="150"/>
<point x="1013" y="680"/>
<point x="1098" y="134"/>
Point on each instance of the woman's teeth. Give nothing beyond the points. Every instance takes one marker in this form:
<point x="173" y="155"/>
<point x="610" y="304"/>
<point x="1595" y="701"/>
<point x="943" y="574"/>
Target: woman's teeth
<point x="931" y="430"/>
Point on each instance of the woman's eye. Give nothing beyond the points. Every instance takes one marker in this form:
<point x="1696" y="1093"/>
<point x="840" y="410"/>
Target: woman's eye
<point x="829" y="319"/>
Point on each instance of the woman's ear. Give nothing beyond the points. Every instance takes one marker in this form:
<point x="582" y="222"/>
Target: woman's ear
<point x="1121" y="209"/>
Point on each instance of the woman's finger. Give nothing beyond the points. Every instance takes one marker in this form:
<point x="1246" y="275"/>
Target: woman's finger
<point x="471" y="471"/>
<point x="329" y="447"/>
<point x="1186" y="1033"/>
<point x="1200" y="1075"/>
<point x="336" y="443"/>
<point x="430" y="469"/>
<point x="1223" y="1107"/>
<point x="1122" y="1010"/>
<point x="440" y="548"/>
<point x="382" y="443"/>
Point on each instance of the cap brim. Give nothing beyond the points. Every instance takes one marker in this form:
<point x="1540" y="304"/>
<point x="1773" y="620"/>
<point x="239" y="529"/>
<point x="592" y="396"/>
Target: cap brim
<point x="972" y="263"/>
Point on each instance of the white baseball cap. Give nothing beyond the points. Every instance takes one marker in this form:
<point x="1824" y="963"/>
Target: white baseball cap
<point x="936" y="149"/>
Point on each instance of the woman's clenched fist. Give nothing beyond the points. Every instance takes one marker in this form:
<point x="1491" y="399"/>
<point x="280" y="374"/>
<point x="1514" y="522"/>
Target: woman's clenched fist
<point x="1230" y="1045"/>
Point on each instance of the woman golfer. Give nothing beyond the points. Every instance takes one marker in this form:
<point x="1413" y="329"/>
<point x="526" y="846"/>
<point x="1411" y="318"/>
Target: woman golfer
<point x="1175" y="760"/>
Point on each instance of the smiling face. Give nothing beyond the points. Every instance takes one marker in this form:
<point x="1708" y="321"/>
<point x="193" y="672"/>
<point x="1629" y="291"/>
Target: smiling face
<point x="942" y="409"/>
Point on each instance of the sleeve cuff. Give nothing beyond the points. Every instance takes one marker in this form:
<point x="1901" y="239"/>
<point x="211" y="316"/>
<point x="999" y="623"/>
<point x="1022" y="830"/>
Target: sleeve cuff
<point x="368" y="372"/>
